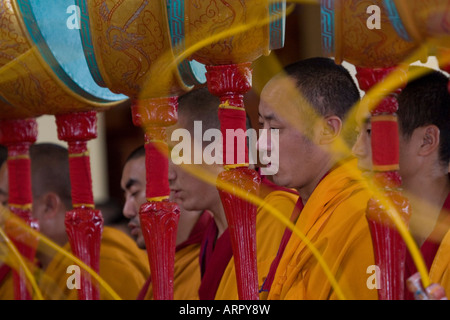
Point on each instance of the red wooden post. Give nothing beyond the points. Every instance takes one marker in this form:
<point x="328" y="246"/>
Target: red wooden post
<point x="158" y="216"/>
<point x="389" y="247"/>
<point x="18" y="136"/>
<point x="230" y="83"/>
<point x="84" y="224"/>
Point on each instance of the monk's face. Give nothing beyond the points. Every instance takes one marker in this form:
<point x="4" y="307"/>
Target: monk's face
<point x="133" y="184"/>
<point x="362" y="148"/>
<point x="408" y="146"/>
<point x="189" y="191"/>
<point x="298" y="156"/>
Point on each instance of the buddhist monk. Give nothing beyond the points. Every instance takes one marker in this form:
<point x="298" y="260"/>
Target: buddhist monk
<point x="424" y="136"/>
<point x="198" y="114"/>
<point x="308" y="103"/>
<point x="190" y="231"/>
<point x="122" y="264"/>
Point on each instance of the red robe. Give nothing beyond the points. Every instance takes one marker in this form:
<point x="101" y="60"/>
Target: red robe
<point x="218" y="272"/>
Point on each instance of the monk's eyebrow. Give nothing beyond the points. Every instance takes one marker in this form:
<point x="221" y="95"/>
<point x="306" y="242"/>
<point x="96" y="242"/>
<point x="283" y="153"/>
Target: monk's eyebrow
<point x="130" y="183"/>
<point x="268" y="117"/>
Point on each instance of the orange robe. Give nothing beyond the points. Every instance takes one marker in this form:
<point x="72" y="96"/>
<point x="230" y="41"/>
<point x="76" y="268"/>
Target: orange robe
<point x="435" y="252"/>
<point x="6" y="283"/>
<point x="440" y="269"/>
<point x="334" y="220"/>
<point x="186" y="269"/>
<point x="123" y="266"/>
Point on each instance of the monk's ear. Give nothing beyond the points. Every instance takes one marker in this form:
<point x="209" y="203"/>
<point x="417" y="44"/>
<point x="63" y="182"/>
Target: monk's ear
<point x="331" y="129"/>
<point x="429" y="140"/>
<point x="51" y="205"/>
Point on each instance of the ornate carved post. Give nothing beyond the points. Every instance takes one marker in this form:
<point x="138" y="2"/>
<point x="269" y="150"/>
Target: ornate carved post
<point x="389" y="247"/>
<point x="84" y="224"/>
<point x="18" y="136"/>
<point x="158" y="216"/>
<point x="230" y="83"/>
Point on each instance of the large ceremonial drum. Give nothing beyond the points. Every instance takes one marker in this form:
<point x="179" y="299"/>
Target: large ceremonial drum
<point x="347" y="36"/>
<point x="43" y="65"/>
<point x="421" y="20"/>
<point x="8" y="111"/>
<point x="44" y="71"/>
<point x="234" y="31"/>
<point x="129" y="46"/>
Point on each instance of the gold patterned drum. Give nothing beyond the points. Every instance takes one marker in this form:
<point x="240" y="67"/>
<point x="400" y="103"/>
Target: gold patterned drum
<point x="8" y="111"/>
<point x="421" y="20"/>
<point x="239" y="31"/>
<point x="130" y="45"/>
<point x="346" y="35"/>
<point x="42" y="62"/>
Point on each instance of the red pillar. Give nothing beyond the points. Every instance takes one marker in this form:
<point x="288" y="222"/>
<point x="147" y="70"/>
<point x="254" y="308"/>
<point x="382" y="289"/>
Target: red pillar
<point x="389" y="247"/>
<point x="230" y="83"/>
<point x="158" y="216"/>
<point x="84" y="224"/>
<point x="18" y="136"/>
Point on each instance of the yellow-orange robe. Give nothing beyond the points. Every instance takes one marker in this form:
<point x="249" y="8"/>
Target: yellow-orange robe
<point x="6" y="283"/>
<point x="269" y="231"/>
<point x="435" y="252"/>
<point x="186" y="268"/>
<point x="123" y="266"/>
<point x="334" y="220"/>
<point x="440" y="269"/>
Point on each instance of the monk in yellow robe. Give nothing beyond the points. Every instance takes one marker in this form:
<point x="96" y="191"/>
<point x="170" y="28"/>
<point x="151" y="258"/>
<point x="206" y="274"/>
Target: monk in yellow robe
<point x="307" y="104"/>
<point x="190" y="231"/>
<point x="6" y="283"/>
<point x="122" y="264"/>
<point x="424" y="136"/>
<point x="440" y="269"/>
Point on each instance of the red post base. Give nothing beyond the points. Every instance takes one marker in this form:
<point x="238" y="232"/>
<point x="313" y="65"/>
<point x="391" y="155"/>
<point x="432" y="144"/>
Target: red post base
<point x="241" y="217"/>
<point x="159" y="222"/>
<point x="84" y="227"/>
<point x="389" y="247"/>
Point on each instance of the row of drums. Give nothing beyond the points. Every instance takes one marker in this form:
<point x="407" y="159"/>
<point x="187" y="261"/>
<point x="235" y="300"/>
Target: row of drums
<point x="76" y="55"/>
